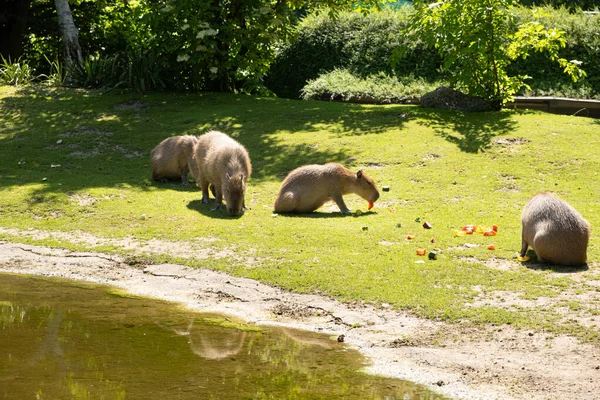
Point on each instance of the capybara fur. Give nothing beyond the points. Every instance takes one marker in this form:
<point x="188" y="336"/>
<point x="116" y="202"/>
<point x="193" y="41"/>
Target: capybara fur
<point x="309" y="187"/>
<point x="172" y="159"/>
<point x="224" y="165"/>
<point x="556" y="231"/>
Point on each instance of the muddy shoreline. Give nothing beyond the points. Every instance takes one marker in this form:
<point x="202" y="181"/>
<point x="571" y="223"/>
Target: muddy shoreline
<point x="458" y="361"/>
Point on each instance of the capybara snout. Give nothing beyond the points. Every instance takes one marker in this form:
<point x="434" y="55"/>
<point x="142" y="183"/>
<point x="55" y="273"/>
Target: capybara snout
<point x="366" y="188"/>
<point x="555" y="230"/>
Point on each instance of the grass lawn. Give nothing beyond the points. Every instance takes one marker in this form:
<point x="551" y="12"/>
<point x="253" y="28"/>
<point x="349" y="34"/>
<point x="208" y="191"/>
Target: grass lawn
<point x="78" y="162"/>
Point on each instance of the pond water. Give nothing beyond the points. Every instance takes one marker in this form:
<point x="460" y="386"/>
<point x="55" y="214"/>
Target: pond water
<point x="67" y="340"/>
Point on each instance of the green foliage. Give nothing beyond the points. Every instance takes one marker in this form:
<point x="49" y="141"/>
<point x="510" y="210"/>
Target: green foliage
<point x="361" y="44"/>
<point x="183" y="45"/>
<point x="57" y="74"/>
<point x="375" y="89"/>
<point x="477" y="44"/>
<point x="95" y="73"/>
<point x="15" y="73"/>
<point x="582" y="34"/>
<point x="572" y="5"/>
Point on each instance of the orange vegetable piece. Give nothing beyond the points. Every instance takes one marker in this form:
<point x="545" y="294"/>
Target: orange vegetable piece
<point x="410" y="237"/>
<point x="371" y="204"/>
<point x="421" y="252"/>
<point x="495" y="228"/>
<point x="491" y="247"/>
<point x="489" y="233"/>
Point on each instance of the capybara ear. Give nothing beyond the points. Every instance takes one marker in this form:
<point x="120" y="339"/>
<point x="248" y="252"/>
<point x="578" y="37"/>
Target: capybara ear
<point x="359" y="174"/>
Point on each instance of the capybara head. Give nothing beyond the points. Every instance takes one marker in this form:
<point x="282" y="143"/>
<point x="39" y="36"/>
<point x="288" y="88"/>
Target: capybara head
<point x="234" y="189"/>
<point x="366" y="187"/>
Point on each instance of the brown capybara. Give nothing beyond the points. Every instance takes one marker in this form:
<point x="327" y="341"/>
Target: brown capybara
<point x="309" y="187"/>
<point x="556" y="231"/>
<point x="223" y="164"/>
<point x="172" y="159"/>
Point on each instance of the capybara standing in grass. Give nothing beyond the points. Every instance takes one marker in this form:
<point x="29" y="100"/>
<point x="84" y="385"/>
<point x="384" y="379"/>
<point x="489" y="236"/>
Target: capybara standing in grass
<point x="309" y="187"/>
<point x="172" y="159"/>
<point x="225" y="164"/>
<point x="556" y="231"/>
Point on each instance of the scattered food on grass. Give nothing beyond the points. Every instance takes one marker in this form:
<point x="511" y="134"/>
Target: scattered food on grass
<point x="427" y="225"/>
<point x="491" y="247"/>
<point x="421" y="252"/>
<point x="371" y="205"/>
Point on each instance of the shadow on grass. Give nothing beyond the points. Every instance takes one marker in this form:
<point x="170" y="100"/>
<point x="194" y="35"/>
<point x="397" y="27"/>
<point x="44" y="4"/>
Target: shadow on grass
<point x="535" y="265"/>
<point x="471" y="132"/>
<point x="207" y="210"/>
<point x="318" y="214"/>
<point x="69" y="140"/>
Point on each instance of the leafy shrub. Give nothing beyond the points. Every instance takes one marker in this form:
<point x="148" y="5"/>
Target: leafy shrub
<point x="582" y="34"/>
<point x="95" y="72"/>
<point x="361" y="44"/>
<point x="15" y="73"/>
<point x="380" y="88"/>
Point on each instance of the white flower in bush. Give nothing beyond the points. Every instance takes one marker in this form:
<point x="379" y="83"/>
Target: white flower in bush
<point x="214" y="70"/>
<point x="182" y="57"/>
<point x="207" y="32"/>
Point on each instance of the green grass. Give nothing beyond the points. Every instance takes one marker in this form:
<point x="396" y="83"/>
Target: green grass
<point x="448" y="168"/>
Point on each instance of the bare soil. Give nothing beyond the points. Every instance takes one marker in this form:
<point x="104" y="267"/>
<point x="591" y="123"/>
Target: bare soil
<point x="459" y="360"/>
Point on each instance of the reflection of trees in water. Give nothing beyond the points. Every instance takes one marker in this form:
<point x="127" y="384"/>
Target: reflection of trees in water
<point x="213" y="343"/>
<point x="308" y="338"/>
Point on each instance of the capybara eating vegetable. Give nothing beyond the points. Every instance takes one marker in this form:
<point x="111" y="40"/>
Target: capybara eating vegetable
<point x="309" y="187"/>
<point x="556" y="231"/>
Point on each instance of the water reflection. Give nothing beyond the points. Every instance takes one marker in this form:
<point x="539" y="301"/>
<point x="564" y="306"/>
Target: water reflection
<point x="62" y="340"/>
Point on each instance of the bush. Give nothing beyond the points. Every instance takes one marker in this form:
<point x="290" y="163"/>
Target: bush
<point x="582" y="32"/>
<point x="360" y="44"/>
<point x="341" y="84"/>
<point x="363" y="45"/>
<point x="15" y="73"/>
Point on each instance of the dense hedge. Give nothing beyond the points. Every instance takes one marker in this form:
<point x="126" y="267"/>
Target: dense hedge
<point x="363" y="45"/>
<point x="360" y="44"/>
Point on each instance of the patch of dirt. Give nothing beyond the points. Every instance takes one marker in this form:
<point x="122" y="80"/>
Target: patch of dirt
<point x="510" y="141"/>
<point x="460" y="361"/>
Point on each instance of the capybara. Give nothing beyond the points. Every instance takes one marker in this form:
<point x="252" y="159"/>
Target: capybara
<point x="224" y="165"/>
<point x="309" y="187"/>
<point x="172" y="159"/>
<point x="556" y="231"/>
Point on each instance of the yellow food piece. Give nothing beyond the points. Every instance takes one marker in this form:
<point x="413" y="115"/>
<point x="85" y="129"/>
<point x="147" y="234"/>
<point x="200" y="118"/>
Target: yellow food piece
<point x="523" y="259"/>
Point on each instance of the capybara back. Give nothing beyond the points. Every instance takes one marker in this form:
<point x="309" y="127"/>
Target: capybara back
<point x="172" y="159"/>
<point x="555" y="230"/>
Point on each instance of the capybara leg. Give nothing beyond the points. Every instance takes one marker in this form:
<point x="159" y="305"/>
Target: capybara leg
<point x="524" y="246"/>
<point x="218" y="196"/>
<point x="339" y="200"/>
<point x="204" y="186"/>
<point x="184" y="178"/>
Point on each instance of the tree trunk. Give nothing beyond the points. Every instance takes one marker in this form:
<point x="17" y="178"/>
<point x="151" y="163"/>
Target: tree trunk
<point x="69" y="34"/>
<point x="13" y="27"/>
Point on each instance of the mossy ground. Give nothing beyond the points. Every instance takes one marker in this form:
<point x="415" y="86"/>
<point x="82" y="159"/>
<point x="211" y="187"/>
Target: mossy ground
<point x="78" y="161"/>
